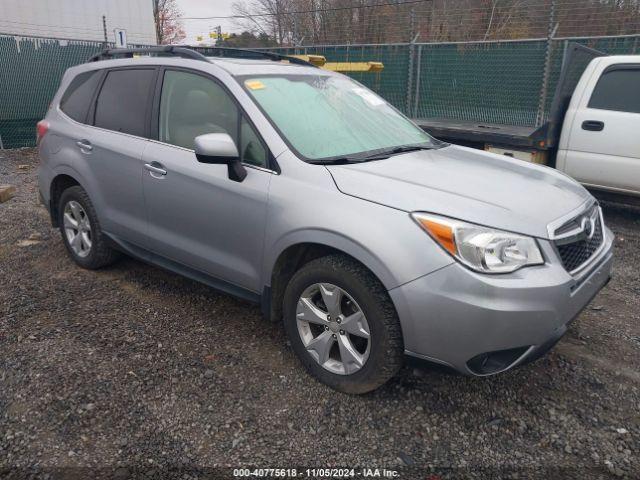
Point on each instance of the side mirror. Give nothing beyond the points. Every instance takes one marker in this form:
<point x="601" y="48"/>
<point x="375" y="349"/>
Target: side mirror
<point x="220" y="149"/>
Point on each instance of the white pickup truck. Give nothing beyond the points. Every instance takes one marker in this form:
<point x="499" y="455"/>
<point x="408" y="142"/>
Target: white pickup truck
<point x="600" y="139"/>
<point x="593" y="131"/>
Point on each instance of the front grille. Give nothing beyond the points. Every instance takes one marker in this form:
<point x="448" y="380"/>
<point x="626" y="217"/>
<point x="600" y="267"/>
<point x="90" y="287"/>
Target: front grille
<point x="581" y="240"/>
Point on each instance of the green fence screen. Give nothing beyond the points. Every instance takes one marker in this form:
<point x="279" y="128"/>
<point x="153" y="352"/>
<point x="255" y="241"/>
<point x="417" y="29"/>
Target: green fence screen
<point x="504" y="82"/>
<point x="508" y="82"/>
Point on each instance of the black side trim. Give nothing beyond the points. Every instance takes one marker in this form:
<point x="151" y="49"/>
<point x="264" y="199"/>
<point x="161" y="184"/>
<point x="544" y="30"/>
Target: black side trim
<point x="265" y="302"/>
<point x="191" y="273"/>
<point x="54" y="220"/>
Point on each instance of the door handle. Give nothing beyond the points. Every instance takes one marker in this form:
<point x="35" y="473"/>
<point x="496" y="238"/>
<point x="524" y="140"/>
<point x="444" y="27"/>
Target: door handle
<point x="593" y="125"/>
<point x="84" y="145"/>
<point x="156" y="168"/>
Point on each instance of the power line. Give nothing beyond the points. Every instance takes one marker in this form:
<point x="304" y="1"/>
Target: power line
<point x="317" y="10"/>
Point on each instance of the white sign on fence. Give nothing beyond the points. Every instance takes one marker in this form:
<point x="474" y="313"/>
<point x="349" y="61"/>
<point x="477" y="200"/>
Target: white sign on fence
<point x="121" y="37"/>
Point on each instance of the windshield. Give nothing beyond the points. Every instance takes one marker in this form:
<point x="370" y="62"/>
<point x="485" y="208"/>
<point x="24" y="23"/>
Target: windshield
<point x="329" y="117"/>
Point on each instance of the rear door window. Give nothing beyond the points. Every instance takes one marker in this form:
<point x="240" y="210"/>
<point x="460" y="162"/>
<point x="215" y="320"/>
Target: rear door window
<point x="123" y="101"/>
<point x="618" y="89"/>
<point x="77" y="98"/>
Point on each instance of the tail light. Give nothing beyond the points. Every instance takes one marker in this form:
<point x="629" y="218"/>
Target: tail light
<point x="42" y="127"/>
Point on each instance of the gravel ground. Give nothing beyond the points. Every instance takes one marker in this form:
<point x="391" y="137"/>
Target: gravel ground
<point x="133" y="370"/>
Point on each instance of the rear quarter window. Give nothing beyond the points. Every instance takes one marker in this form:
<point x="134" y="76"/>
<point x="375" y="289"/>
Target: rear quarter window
<point x="77" y="97"/>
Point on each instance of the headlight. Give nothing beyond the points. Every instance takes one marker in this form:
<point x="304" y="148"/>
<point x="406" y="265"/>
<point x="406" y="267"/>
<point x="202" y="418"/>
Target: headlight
<point x="480" y="248"/>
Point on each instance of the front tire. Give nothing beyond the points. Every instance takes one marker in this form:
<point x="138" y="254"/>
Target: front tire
<point x="81" y="232"/>
<point x="342" y="324"/>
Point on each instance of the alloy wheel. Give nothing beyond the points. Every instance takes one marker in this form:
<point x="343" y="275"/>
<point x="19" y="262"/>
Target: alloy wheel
<point x="77" y="228"/>
<point x="333" y="328"/>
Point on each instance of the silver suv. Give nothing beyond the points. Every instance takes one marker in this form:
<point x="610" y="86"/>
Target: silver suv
<point x="301" y="190"/>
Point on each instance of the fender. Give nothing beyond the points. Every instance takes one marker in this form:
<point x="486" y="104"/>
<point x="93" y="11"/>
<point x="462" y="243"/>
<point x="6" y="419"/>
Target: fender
<point x="330" y="239"/>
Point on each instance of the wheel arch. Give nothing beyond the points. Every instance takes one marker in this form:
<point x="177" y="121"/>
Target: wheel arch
<point x="293" y="255"/>
<point x="61" y="181"/>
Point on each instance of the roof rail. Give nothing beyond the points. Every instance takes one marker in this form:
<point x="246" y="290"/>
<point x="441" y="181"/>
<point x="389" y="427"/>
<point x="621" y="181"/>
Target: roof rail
<point x="252" y="54"/>
<point x="194" y="53"/>
<point x="129" y="52"/>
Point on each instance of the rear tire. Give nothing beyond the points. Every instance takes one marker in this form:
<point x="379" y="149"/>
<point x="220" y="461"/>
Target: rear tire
<point x="351" y="359"/>
<point x="81" y="232"/>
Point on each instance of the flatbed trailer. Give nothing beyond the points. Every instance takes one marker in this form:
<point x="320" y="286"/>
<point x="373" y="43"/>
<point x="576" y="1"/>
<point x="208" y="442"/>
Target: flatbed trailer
<point x="504" y="139"/>
<point x="531" y="143"/>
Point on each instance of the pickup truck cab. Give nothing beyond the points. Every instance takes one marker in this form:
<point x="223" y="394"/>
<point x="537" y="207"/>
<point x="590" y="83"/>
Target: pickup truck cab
<point x="599" y="143"/>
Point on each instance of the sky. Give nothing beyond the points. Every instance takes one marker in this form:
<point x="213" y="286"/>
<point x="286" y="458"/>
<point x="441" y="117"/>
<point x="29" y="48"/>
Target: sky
<point x="206" y="8"/>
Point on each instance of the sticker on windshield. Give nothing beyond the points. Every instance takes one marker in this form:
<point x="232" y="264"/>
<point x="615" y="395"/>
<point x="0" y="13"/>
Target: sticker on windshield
<point x="368" y="97"/>
<point x="254" y="84"/>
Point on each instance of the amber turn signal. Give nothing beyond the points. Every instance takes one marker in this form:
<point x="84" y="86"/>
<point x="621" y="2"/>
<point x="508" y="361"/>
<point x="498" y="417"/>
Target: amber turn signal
<point x="441" y="233"/>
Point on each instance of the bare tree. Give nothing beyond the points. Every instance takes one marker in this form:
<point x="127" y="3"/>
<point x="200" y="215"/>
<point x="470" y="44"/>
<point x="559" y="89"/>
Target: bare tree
<point x="167" y="16"/>
<point x="389" y="21"/>
<point x="264" y="16"/>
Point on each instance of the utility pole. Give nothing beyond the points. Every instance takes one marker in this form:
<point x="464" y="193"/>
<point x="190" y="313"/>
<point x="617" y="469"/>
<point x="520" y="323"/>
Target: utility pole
<point x="546" y="72"/>
<point x="412" y="53"/>
<point x="104" y="29"/>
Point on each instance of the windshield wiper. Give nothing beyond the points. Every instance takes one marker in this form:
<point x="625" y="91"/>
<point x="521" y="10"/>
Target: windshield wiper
<point x="379" y="155"/>
<point x="395" y="151"/>
<point x="411" y="148"/>
<point x="337" y="161"/>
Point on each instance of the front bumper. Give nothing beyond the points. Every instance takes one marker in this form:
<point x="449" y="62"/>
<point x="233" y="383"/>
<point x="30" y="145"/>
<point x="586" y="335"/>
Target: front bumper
<point x="454" y="316"/>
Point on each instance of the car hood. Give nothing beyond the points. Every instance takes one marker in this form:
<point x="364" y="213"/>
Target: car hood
<point x="466" y="184"/>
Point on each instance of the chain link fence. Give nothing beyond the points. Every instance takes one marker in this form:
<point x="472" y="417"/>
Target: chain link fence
<point x="495" y="82"/>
